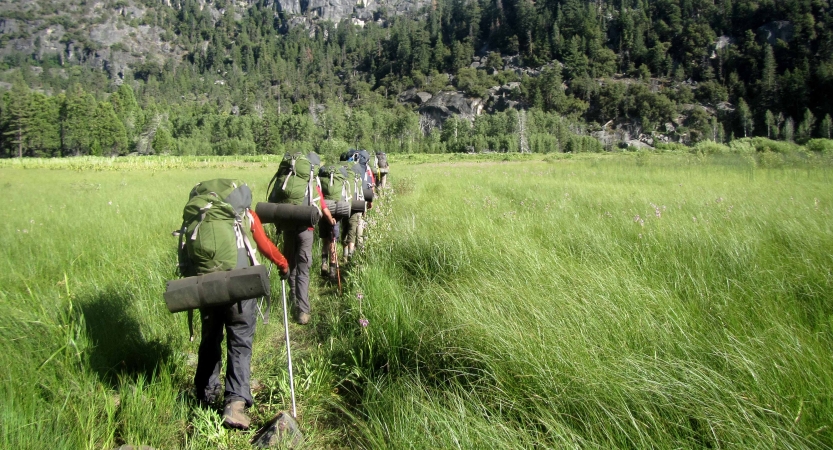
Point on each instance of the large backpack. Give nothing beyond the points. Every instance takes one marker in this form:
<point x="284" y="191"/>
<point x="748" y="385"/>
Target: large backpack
<point x="381" y="160"/>
<point x="216" y="228"/>
<point x="295" y="181"/>
<point x="363" y="182"/>
<point x="216" y="231"/>
<point x="335" y="182"/>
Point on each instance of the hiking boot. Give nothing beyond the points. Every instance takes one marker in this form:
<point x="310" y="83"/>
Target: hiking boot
<point x="234" y="415"/>
<point x="210" y="395"/>
<point x="303" y="318"/>
<point x="333" y="274"/>
<point x="324" y="269"/>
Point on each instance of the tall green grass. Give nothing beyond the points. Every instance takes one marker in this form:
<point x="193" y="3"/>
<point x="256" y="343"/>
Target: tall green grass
<point x="91" y="358"/>
<point x="593" y="301"/>
<point x="673" y="302"/>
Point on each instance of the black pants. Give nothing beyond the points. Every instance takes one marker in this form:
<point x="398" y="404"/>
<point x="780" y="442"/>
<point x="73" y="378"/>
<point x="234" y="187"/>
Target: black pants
<point x="238" y="320"/>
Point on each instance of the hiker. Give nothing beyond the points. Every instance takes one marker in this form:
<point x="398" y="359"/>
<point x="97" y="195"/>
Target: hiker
<point x="367" y="164"/>
<point x="335" y="186"/>
<point x="296" y="182"/>
<point x="362" y="190"/>
<point x="238" y="319"/>
<point x="381" y="163"/>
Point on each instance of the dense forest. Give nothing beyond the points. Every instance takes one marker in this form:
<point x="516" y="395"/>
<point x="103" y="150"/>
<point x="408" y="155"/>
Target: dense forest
<point x="241" y="79"/>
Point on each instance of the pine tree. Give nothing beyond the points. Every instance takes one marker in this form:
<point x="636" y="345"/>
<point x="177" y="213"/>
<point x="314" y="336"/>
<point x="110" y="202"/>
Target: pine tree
<point x="769" y="81"/>
<point x="805" y="128"/>
<point x="77" y="121"/>
<point x="108" y="130"/>
<point x="18" y="112"/>
<point x="127" y="109"/>
<point x="45" y="125"/>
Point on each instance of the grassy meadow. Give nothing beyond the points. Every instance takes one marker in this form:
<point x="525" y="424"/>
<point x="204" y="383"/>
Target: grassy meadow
<point x="593" y="301"/>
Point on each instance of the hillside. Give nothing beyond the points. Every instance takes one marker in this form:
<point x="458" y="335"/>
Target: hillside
<point x="222" y="77"/>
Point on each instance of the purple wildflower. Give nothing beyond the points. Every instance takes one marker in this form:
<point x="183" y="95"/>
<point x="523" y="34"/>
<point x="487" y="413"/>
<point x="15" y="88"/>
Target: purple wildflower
<point x="359" y="296"/>
<point x="364" y="322"/>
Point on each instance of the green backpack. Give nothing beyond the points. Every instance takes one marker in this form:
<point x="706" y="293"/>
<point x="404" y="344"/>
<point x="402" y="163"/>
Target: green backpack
<point x="216" y="228"/>
<point x="354" y="180"/>
<point x="335" y="184"/>
<point x="295" y="181"/>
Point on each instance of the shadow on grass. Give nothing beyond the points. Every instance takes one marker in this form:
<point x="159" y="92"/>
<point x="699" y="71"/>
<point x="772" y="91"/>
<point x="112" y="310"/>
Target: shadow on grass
<point x="119" y="347"/>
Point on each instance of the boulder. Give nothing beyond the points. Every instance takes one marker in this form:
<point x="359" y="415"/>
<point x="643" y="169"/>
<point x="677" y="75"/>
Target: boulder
<point x="638" y="144"/>
<point x="503" y="104"/>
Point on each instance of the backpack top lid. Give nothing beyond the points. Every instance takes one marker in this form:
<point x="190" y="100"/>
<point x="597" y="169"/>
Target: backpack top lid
<point x="234" y="192"/>
<point x="349" y="155"/>
<point x="314" y="159"/>
<point x="364" y="157"/>
<point x="338" y="172"/>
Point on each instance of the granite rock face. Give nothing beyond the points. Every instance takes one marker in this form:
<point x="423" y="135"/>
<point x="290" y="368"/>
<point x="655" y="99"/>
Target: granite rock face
<point x="338" y="10"/>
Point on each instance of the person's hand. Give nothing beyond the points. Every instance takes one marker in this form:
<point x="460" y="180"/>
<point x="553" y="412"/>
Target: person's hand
<point x="332" y="221"/>
<point x="369" y="205"/>
<point x="284" y="273"/>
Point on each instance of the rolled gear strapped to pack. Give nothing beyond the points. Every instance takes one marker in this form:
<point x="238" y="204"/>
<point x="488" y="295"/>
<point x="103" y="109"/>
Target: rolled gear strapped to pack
<point x="215" y="236"/>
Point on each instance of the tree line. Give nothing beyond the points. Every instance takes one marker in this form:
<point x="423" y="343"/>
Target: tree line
<point x="252" y="85"/>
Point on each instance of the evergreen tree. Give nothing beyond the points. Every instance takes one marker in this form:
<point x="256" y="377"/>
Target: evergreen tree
<point x="108" y="131"/>
<point x="77" y="118"/>
<point x="127" y="109"/>
<point x="18" y="113"/>
<point x="805" y="128"/>
<point x="769" y="81"/>
<point x="45" y="125"/>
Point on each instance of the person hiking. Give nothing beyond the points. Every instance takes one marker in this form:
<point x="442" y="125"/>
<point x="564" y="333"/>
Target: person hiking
<point x="296" y="182"/>
<point x="382" y="168"/>
<point x="237" y="321"/>
<point x="356" y="163"/>
<point x="335" y="185"/>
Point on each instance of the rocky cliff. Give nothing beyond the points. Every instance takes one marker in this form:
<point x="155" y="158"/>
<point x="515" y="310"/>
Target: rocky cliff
<point x="338" y="10"/>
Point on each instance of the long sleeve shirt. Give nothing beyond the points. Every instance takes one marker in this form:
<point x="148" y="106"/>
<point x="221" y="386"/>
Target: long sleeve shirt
<point x="265" y="246"/>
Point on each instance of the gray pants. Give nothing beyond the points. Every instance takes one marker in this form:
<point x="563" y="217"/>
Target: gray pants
<point x="297" y="248"/>
<point x="238" y="320"/>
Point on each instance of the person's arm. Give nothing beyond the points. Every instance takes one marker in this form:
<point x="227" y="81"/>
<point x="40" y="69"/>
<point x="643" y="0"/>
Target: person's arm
<point x="324" y="209"/>
<point x="266" y="247"/>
